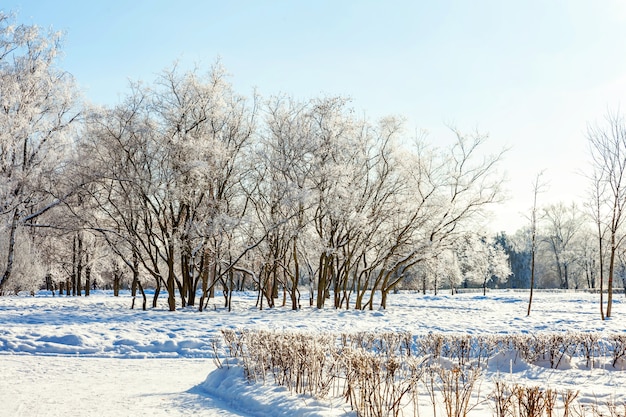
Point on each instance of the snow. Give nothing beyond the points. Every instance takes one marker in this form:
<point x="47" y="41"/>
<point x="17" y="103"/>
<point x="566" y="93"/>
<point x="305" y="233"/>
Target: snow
<point x="93" y="356"/>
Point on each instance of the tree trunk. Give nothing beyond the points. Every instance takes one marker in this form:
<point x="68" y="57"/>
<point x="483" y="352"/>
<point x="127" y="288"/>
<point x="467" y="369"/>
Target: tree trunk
<point x="190" y="284"/>
<point x="193" y="285"/>
<point x="143" y="296"/>
<point x="137" y="284"/>
<point x="296" y="279"/>
<point x="533" y="242"/>
<point x="532" y="277"/>
<point x="157" y="291"/>
<point x="170" y="284"/>
<point x="117" y="277"/>
<point x="601" y="248"/>
<point x="231" y="280"/>
<point x="10" y="251"/>
<point x="79" y="266"/>
<point x="383" y="298"/>
<point x="212" y="277"/>
<point x="609" y="281"/>
<point x="321" y="281"/>
<point x="204" y="276"/>
<point x="74" y="266"/>
<point x="87" y="280"/>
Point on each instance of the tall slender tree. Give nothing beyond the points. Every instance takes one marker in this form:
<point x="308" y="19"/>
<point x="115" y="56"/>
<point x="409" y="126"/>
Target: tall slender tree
<point x="538" y="187"/>
<point x="607" y="143"/>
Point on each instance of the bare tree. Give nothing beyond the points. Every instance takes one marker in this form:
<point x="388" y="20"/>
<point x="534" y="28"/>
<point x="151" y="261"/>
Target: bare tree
<point x="483" y="260"/>
<point x="538" y="187"/>
<point x="328" y="178"/>
<point x="348" y="196"/>
<point x="607" y="144"/>
<point x="588" y="258"/>
<point x="281" y="192"/>
<point x="562" y="225"/>
<point x="167" y="168"/>
<point x="37" y="114"/>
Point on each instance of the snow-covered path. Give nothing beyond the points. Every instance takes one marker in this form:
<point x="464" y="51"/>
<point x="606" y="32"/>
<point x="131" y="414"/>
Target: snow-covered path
<point x="49" y="386"/>
<point x="63" y="386"/>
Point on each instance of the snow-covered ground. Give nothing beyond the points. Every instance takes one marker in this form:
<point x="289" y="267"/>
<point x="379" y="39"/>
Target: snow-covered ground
<point x="93" y="356"/>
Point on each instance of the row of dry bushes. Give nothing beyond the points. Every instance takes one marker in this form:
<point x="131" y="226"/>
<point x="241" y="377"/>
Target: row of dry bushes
<point x="467" y="349"/>
<point x="386" y="374"/>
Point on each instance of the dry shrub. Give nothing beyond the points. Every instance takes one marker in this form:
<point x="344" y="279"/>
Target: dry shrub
<point x="386" y="343"/>
<point x="551" y="401"/>
<point x="486" y="347"/>
<point x="552" y="347"/>
<point x="458" y="348"/>
<point x="233" y="340"/>
<point x="557" y="346"/>
<point x="530" y="400"/>
<point x="503" y="397"/>
<point x="457" y="386"/>
<point x="567" y="398"/>
<point x="375" y="376"/>
<point x="377" y="386"/>
<point x="431" y="345"/>
<point x="608" y="408"/>
<point x="588" y="346"/>
<point x="616" y="409"/>
<point x="379" y="374"/>
<point x="515" y="400"/>
<point x="618" y="344"/>
<point x="302" y="363"/>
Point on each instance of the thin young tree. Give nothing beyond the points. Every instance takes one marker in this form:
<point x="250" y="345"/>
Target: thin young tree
<point x="607" y="143"/>
<point x="538" y="187"/>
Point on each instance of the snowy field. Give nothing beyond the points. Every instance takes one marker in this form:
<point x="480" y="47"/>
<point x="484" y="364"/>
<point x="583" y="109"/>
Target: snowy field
<point x="65" y="356"/>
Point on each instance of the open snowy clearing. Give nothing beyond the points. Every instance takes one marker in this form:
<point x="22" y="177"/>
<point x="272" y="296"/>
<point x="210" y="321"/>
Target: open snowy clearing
<point x="64" y="356"/>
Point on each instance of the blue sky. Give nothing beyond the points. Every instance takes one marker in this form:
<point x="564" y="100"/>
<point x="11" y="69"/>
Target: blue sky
<point x="531" y="73"/>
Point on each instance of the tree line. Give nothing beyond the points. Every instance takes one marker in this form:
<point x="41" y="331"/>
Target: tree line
<point x="187" y="186"/>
